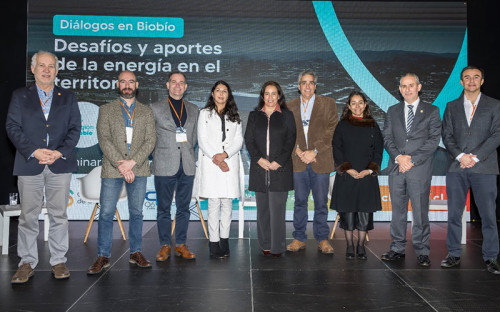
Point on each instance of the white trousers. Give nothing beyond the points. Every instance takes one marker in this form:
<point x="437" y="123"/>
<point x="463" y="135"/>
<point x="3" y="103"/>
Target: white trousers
<point x="219" y="218"/>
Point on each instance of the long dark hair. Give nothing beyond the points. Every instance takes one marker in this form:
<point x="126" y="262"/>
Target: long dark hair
<point x="281" y="100"/>
<point x="230" y="110"/>
<point x="346" y="113"/>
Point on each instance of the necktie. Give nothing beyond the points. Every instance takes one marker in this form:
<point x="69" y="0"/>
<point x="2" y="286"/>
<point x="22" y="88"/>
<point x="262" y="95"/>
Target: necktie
<point x="411" y="116"/>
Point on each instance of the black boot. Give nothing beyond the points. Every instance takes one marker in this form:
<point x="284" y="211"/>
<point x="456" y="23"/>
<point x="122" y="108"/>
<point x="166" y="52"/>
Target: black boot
<point x="349" y="252"/>
<point x="215" y="250"/>
<point x="360" y="252"/>
<point x="224" y="246"/>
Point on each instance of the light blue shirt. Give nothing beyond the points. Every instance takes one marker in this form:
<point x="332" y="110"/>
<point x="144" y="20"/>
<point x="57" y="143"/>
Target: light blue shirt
<point x="45" y="103"/>
<point x="305" y="113"/>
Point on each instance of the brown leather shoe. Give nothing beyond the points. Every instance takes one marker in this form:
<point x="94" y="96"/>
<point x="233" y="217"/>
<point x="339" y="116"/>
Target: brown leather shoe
<point x="60" y="271"/>
<point x="325" y="247"/>
<point x="100" y="264"/>
<point x="183" y="251"/>
<point x="295" y="246"/>
<point x="164" y="253"/>
<point x="138" y="259"/>
<point x="23" y="274"/>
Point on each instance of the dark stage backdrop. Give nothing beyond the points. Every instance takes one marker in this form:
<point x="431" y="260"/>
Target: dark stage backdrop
<point x="351" y="46"/>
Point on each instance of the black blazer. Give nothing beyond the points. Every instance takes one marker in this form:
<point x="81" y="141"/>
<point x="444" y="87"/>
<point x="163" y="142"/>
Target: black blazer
<point x="27" y="128"/>
<point x="282" y="134"/>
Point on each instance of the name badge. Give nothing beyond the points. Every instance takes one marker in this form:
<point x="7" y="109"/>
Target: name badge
<point x="181" y="135"/>
<point x="130" y="132"/>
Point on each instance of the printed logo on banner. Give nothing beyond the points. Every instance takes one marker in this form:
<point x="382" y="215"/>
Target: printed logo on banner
<point x="88" y="135"/>
<point x="70" y="200"/>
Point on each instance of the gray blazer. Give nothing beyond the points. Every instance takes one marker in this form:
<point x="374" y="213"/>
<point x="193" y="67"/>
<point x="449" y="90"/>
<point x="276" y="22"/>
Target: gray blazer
<point x="481" y="138"/>
<point x="420" y="143"/>
<point x="113" y="139"/>
<point x="168" y="153"/>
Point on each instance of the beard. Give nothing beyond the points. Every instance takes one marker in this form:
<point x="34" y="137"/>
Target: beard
<point x="131" y="93"/>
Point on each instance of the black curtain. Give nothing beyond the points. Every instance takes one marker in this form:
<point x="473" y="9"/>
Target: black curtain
<point x="14" y="26"/>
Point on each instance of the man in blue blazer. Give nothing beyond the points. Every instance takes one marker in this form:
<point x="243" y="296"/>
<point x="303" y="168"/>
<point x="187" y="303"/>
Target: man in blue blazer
<point x="471" y="135"/>
<point x="43" y="123"/>
<point x="412" y="131"/>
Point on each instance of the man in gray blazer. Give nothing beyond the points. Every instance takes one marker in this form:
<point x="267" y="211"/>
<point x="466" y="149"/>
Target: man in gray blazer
<point x="471" y="135"/>
<point x="412" y="131"/>
<point x="174" y="164"/>
<point x="126" y="133"/>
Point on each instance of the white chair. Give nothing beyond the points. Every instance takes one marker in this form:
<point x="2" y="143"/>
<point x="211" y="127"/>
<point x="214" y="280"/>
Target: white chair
<point x="195" y="212"/>
<point x="6" y="212"/>
<point x="90" y="191"/>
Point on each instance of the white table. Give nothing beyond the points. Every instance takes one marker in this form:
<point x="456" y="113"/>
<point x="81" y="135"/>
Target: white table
<point x="7" y="211"/>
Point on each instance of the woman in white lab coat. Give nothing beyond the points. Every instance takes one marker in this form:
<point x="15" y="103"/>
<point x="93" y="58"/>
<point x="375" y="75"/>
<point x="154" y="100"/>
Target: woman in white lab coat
<point x="220" y="169"/>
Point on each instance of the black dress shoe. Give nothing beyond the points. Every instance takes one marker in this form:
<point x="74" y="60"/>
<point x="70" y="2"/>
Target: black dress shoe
<point x="423" y="260"/>
<point x="215" y="250"/>
<point x="361" y="253"/>
<point x="278" y="255"/>
<point x="492" y="266"/>
<point x="224" y="246"/>
<point x="349" y="252"/>
<point x="450" y="261"/>
<point x="392" y="255"/>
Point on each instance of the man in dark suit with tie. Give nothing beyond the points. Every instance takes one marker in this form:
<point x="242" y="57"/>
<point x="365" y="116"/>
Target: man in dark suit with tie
<point x="43" y="123"/>
<point x="412" y="131"/>
<point x="471" y="135"/>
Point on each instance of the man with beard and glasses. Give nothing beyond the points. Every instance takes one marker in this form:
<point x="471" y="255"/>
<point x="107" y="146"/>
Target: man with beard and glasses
<point x="126" y="133"/>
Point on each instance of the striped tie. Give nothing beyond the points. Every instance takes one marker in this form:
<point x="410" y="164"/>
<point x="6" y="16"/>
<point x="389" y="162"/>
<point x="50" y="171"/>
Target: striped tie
<point x="410" y="118"/>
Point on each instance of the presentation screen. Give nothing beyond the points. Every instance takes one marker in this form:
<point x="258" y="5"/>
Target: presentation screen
<point x="364" y="46"/>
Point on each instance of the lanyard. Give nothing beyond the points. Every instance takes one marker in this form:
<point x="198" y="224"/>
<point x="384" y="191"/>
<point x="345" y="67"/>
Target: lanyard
<point x="133" y="114"/>
<point x="176" y="114"/>
<point x="305" y="105"/>
<point x="43" y="104"/>
<point x="473" y="111"/>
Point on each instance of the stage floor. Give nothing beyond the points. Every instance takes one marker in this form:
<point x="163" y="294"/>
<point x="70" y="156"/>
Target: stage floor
<point x="247" y="281"/>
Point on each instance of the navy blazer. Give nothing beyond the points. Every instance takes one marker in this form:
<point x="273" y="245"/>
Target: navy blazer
<point x="481" y="138"/>
<point x="27" y="128"/>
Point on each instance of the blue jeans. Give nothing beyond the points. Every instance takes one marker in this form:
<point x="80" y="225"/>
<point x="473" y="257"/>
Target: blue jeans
<point x="305" y="182"/>
<point x="165" y="186"/>
<point x="110" y="191"/>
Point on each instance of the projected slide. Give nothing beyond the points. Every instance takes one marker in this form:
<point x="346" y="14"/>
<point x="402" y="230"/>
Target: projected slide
<point x="351" y="45"/>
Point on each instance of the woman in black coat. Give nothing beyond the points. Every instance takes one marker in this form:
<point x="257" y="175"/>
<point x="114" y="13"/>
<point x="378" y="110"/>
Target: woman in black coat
<point x="270" y="138"/>
<point x="357" y="149"/>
